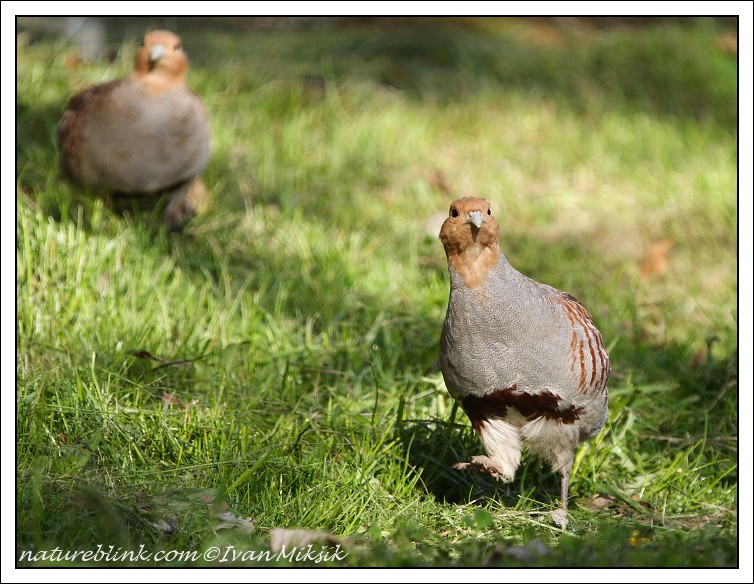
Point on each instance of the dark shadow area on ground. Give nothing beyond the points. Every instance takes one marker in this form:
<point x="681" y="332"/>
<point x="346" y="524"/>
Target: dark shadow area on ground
<point x="702" y="395"/>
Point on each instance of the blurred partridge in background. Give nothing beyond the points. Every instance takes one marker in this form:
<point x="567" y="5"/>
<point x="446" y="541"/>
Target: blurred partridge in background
<point x="525" y="361"/>
<point x="143" y="136"/>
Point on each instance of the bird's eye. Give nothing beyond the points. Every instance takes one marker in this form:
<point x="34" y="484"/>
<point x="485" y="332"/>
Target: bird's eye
<point x="178" y="47"/>
<point x="489" y="212"/>
<point x="454" y="212"/>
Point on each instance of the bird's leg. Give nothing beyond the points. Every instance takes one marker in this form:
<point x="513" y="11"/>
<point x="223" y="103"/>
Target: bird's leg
<point x="564" y="482"/>
<point x="560" y="515"/>
<point x="502" y="442"/>
<point x="185" y="201"/>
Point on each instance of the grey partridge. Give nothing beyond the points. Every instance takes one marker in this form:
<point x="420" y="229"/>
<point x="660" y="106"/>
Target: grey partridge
<point x="525" y="361"/>
<point x="145" y="135"/>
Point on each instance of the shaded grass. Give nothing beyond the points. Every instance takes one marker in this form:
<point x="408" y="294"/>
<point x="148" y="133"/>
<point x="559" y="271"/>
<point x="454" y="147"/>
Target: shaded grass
<point x="304" y="309"/>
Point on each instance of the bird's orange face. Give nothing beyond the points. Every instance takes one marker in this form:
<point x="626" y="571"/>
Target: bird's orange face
<point x="469" y="224"/>
<point x="162" y="54"/>
<point x="470" y="237"/>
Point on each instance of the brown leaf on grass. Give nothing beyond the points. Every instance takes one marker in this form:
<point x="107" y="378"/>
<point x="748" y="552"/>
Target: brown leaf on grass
<point x="728" y="43"/>
<point x="636" y="499"/>
<point x="72" y="61"/>
<point x="600" y="501"/>
<point x="299" y="538"/>
<point x="655" y="262"/>
<point x="170" y="399"/>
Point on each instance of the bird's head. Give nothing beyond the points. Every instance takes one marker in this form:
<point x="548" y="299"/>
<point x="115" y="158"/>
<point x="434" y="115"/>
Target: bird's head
<point x="162" y="54"/>
<point x="469" y="224"/>
<point x="470" y="236"/>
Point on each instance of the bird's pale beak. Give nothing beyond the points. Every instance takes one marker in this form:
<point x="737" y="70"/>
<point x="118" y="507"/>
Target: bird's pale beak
<point x="157" y="52"/>
<point x="476" y="218"/>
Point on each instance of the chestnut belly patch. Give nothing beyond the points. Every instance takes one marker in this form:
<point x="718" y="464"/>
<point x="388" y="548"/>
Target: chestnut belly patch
<point x="532" y="406"/>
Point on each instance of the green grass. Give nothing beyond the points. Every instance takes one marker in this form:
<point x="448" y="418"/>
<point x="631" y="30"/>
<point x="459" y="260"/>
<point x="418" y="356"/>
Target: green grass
<point x="304" y="309"/>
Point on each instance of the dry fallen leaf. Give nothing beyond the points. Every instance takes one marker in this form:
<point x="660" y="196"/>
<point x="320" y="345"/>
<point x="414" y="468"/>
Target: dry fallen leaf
<point x="72" y="61"/>
<point x="638" y="500"/>
<point x="169" y="399"/>
<point x="600" y="501"/>
<point x="728" y="43"/>
<point x="655" y="262"/>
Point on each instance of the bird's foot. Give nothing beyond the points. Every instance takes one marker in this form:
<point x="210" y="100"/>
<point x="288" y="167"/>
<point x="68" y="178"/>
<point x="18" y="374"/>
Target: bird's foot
<point x="560" y="517"/>
<point x="482" y="464"/>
